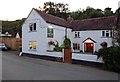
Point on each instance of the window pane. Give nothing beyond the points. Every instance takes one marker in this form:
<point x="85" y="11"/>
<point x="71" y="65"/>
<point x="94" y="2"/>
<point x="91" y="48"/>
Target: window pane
<point x="78" y="34"/>
<point x="107" y="34"/>
<point x="74" y="46"/>
<point x="34" y="45"/>
<point x="75" y="34"/>
<point x="34" y="26"/>
<point x="30" y="27"/>
<point x="111" y="33"/>
<point x="50" y="32"/>
<point x="78" y="46"/>
<point x="103" y="33"/>
<point x="30" y="45"/>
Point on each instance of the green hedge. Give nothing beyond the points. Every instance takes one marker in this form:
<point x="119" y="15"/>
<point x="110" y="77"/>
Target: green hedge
<point x="111" y="58"/>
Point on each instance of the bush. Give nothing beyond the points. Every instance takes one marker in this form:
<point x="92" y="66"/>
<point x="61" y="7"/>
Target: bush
<point x="67" y="42"/>
<point x="57" y="47"/>
<point x="111" y="58"/>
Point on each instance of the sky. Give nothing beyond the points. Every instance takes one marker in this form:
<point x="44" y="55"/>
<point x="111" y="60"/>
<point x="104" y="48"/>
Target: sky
<point x="18" y="9"/>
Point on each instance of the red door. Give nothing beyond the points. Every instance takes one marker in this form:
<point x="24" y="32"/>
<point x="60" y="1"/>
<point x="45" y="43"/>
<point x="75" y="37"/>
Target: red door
<point x="88" y="47"/>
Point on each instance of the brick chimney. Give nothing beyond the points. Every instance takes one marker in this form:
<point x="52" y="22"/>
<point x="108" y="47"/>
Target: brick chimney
<point x="69" y="19"/>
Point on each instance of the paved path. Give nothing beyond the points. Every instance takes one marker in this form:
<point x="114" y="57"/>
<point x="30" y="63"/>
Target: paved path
<point x="26" y="68"/>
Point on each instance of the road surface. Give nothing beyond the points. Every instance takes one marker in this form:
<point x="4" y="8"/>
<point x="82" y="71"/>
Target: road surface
<point x="26" y="68"/>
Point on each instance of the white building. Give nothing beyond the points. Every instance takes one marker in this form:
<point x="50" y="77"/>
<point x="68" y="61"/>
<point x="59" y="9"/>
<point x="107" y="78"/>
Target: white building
<point x="40" y="28"/>
<point x="86" y="35"/>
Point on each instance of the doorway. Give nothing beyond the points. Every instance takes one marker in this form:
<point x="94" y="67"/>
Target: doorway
<point x="88" y="47"/>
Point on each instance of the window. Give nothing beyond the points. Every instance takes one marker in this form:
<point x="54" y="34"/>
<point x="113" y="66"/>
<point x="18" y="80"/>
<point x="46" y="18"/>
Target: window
<point x="107" y="33"/>
<point x="50" y="32"/>
<point x="77" y="34"/>
<point x="32" y="26"/>
<point x="76" y="46"/>
<point x="111" y="33"/>
<point x="103" y="33"/>
<point x="32" y="45"/>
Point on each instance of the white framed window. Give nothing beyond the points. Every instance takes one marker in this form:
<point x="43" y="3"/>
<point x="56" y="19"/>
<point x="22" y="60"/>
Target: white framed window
<point x="50" y="33"/>
<point x="32" y="27"/>
<point x="32" y="45"/>
<point x="77" y="35"/>
<point x="107" y="33"/>
<point x="76" y="46"/>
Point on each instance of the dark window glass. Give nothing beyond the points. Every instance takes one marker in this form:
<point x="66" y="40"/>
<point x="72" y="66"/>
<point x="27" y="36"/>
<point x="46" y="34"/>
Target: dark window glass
<point x="75" y="34"/>
<point x="78" y="34"/>
<point x="50" y="32"/>
<point x="111" y="33"/>
<point x="34" y="26"/>
<point x="103" y="33"/>
<point x="76" y="46"/>
<point x="107" y="34"/>
<point x="30" y="26"/>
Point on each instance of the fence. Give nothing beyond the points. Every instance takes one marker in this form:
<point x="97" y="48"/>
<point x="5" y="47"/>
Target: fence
<point x="13" y="43"/>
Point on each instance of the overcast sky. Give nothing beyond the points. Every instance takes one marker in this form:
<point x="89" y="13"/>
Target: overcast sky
<point x="18" y="9"/>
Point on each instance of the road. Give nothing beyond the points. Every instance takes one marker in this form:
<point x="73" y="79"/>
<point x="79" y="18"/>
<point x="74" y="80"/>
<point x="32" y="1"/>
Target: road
<point x="26" y="68"/>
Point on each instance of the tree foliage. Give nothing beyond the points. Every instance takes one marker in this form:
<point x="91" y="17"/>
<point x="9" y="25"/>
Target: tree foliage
<point x="60" y="10"/>
<point x="12" y="26"/>
<point x="56" y="9"/>
<point x="90" y="12"/>
<point x="108" y="12"/>
<point x="111" y="58"/>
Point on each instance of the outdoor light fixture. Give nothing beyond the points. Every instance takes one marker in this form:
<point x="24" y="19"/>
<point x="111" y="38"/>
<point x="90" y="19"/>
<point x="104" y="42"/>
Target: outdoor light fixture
<point x="50" y="27"/>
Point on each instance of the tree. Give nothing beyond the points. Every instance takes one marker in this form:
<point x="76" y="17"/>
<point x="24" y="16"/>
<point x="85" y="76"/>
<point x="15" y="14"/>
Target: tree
<point x="96" y="13"/>
<point x="77" y="14"/>
<point x="92" y="13"/>
<point x="117" y="32"/>
<point x="13" y="26"/>
<point x="108" y="12"/>
<point x="56" y="9"/>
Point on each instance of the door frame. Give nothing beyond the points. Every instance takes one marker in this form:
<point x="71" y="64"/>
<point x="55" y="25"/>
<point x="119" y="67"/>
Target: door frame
<point x="87" y="50"/>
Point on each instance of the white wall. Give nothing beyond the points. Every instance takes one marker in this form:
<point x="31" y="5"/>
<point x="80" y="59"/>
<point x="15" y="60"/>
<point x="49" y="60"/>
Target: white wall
<point x="96" y="35"/>
<point x="86" y="57"/>
<point x="40" y="36"/>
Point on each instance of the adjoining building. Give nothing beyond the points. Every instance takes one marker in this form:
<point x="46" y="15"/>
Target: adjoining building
<point x="86" y="35"/>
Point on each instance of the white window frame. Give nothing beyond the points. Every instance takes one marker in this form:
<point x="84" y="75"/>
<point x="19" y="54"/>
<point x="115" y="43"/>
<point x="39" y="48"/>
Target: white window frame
<point x="33" y="27"/>
<point x="32" y="45"/>
<point x="77" y="34"/>
<point x="105" y="33"/>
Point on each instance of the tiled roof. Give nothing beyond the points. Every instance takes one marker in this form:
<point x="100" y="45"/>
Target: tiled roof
<point x="100" y="23"/>
<point x="52" y="19"/>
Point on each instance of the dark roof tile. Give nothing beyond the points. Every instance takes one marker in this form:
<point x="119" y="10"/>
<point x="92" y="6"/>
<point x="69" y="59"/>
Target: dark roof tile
<point x="101" y="23"/>
<point x="52" y="19"/>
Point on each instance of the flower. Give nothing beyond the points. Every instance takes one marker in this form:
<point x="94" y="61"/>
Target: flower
<point x="51" y="42"/>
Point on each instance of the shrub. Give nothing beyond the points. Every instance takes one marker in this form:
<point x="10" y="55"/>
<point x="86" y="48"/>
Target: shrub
<point x="57" y="47"/>
<point x="111" y="58"/>
<point x="67" y="42"/>
<point x="81" y="51"/>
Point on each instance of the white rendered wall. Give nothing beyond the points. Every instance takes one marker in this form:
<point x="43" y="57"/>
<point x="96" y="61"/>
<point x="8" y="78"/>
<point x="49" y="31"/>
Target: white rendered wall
<point x="96" y="35"/>
<point x="40" y="36"/>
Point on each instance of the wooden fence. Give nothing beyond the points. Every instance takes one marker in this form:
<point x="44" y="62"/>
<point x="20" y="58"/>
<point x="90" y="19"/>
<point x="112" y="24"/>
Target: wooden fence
<point x="13" y="43"/>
